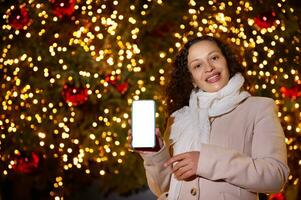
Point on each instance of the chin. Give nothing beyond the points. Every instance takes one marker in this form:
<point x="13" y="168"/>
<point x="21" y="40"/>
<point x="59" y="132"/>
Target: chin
<point x="215" y="88"/>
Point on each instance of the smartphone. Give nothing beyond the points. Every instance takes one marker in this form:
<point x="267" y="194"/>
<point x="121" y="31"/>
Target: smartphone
<point x="143" y="124"/>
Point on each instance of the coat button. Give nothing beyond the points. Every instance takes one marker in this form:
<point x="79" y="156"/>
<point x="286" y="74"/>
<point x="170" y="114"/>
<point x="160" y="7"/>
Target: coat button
<point x="193" y="191"/>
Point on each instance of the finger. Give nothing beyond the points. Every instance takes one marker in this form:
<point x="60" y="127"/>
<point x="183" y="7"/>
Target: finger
<point x="173" y="159"/>
<point x="187" y="174"/>
<point x="130" y="147"/>
<point x="158" y="133"/>
<point x="179" y="165"/>
<point x="129" y="136"/>
<point x="129" y="139"/>
<point x="183" y="170"/>
<point x="159" y="140"/>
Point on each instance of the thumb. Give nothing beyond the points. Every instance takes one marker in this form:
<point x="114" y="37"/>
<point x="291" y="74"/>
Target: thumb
<point x="158" y="133"/>
<point x="159" y="138"/>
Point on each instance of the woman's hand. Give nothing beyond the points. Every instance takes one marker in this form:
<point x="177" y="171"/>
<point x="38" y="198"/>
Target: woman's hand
<point x="184" y="166"/>
<point x="159" y="143"/>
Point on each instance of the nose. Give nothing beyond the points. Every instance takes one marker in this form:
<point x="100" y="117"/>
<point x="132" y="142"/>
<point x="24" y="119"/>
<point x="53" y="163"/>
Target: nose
<point x="209" y="66"/>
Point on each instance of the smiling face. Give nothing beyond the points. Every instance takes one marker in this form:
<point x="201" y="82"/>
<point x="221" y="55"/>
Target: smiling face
<point x="208" y="66"/>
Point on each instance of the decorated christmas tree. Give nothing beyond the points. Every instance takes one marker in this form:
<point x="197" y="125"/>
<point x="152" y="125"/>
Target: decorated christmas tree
<point x="71" y="69"/>
<point x="69" y="73"/>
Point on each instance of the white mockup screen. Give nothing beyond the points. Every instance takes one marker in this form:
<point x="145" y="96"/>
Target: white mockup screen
<point x="143" y="123"/>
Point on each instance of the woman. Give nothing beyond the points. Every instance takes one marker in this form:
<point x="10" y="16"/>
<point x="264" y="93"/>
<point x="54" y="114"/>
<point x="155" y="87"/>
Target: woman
<point x="220" y="142"/>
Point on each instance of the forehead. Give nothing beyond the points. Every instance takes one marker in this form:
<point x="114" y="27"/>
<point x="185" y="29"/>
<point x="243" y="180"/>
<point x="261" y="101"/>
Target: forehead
<point x="202" y="48"/>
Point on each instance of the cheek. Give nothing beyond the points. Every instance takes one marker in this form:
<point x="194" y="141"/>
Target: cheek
<point x="227" y="73"/>
<point x="196" y="78"/>
<point x="226" y="68"/>
<point x="197" y="74"/>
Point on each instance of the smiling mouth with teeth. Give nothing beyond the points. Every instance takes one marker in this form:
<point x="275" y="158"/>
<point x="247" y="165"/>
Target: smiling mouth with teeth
<point x="214" y="78"/>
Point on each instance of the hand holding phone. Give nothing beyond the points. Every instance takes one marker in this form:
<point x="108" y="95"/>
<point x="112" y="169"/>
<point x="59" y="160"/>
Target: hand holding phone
<point x="146" y="150"/>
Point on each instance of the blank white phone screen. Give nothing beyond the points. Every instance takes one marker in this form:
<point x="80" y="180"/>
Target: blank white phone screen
<point x="143" y="123"/>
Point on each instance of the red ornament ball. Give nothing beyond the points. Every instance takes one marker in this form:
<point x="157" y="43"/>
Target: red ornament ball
<point x="26" y="164"/>
<point x="18" y="18"/>
<point x="122" y="87"/>
<point x="74" y="95"/>
<point x="116" y="82"/>
<point x="111" y="79"/>
<point x="292" y="93"/>
<point x="278" y="196"/>
<point x="63" y="7"/>
<point x="265" y="20"/>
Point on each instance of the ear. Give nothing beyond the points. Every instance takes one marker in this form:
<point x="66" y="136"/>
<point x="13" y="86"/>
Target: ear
<point x="194" y="85"/>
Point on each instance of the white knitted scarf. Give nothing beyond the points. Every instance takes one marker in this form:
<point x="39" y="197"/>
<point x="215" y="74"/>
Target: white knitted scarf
<point x="191" y="125"/>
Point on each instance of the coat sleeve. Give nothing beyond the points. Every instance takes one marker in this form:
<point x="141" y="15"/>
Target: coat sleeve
<point x="158" y="176"/>
<point x="265" y="170"/>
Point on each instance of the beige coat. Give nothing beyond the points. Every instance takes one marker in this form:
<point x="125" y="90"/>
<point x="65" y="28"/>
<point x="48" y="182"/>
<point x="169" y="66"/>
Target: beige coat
<point x="246" y="155"/>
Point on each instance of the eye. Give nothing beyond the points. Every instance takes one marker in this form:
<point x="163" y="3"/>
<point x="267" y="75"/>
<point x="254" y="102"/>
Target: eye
<point x="197" y="65"/>
<point x="215" y="57"/>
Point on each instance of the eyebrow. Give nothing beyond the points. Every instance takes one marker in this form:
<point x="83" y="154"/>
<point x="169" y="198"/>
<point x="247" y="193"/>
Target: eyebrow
<point x="208" y="55"/>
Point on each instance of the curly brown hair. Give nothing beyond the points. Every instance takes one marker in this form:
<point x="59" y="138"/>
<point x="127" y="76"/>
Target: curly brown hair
<point x="180" y="84"/>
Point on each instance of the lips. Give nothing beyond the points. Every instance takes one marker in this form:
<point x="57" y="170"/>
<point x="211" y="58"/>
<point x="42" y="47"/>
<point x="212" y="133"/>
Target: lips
<point x="214" y="78"/>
